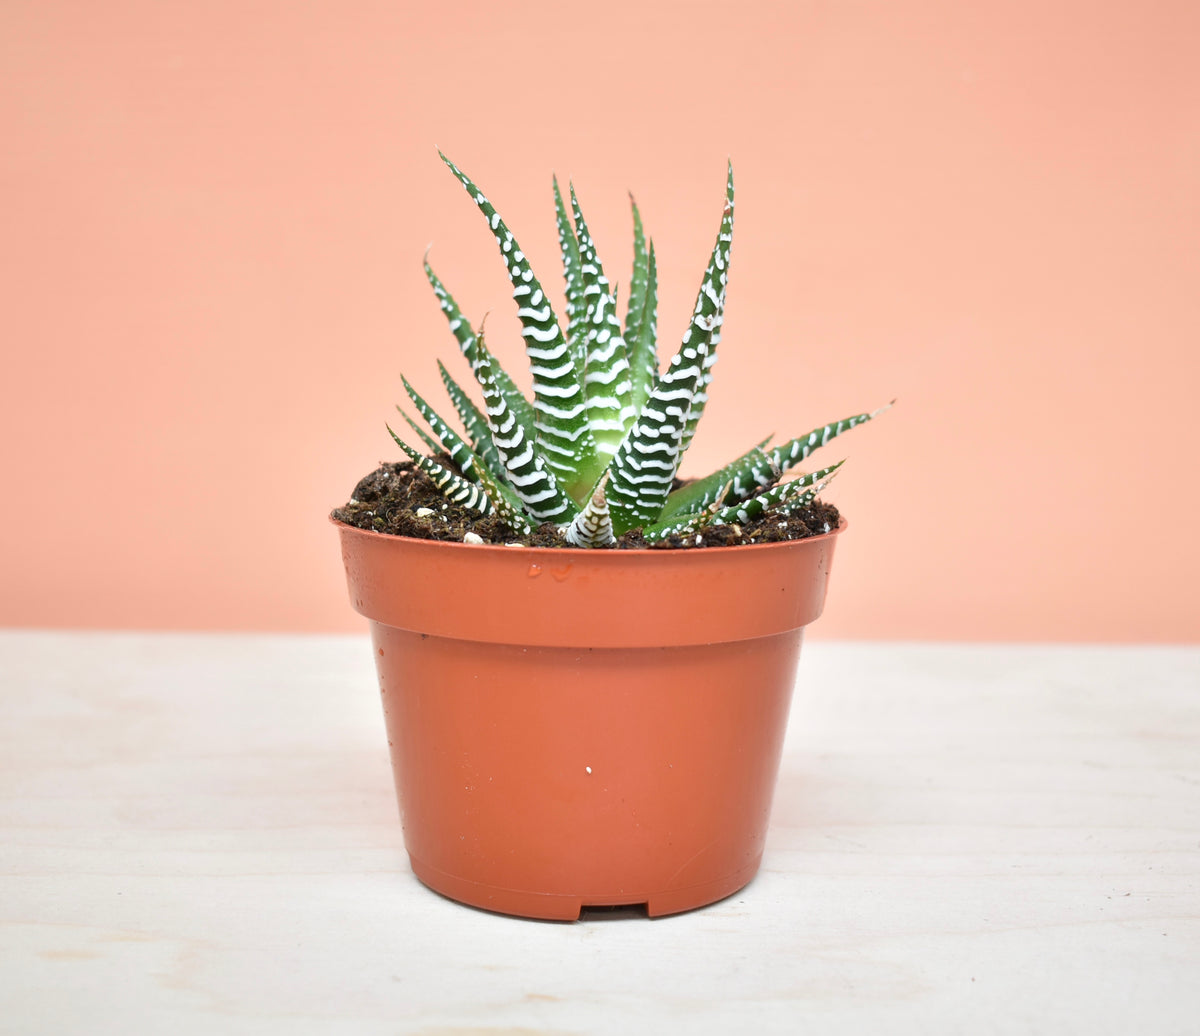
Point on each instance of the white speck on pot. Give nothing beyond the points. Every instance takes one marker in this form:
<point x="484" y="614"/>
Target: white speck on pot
<point x="587" y="769"/>
<point x="472" y="537"/>
<point x="423" y="512"/>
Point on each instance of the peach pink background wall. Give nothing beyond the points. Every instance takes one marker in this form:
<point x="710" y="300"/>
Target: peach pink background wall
<point x="215" y="215"/>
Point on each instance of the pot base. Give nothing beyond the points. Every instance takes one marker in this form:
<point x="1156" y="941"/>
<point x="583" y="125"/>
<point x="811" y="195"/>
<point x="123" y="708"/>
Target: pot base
<point x="549" y="906"/>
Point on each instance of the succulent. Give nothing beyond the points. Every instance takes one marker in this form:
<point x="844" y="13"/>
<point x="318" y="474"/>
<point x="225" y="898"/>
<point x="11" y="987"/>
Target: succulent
<point x="596" y="451"/>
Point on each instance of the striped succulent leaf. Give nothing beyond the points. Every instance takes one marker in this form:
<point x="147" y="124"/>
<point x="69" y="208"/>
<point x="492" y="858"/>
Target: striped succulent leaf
<point x="710" y="306"/>
<point x="526" y="470"/>
<point x="636" y="304"/>
<point x="433" y="445"/>
<point x="679" y="525"/>
<point x="592" y="527"/>
<point x="468" y="344"/>
<point x="453" y="487"/>
<point x="473" y="422"/>
<point x="573" y="276"/>
<point x="506" y="503"/>
<point x="447" y="438"/>
<point x="644" y="468"/>
<point x="802" y="500"/>
<point x="558" y="400"/>
<point x="751" y="471"/>
<point x="777" y="496"/>
<point x="606" y="367"/>
<point x="758" y="468"/>
<point x="796" y="450"/>
<point x="459" y="325"/>
<point x="642" y="343"/>
<point x="789" y="498"/>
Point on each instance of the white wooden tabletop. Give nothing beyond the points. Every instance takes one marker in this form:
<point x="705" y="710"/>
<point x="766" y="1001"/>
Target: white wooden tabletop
<point x="198" y="835"/>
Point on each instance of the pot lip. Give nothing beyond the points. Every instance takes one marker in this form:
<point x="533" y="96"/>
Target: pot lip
<point x="590" y="554"/>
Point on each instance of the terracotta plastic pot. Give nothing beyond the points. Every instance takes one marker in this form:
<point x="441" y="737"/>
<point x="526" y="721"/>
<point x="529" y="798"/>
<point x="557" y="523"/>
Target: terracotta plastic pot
<point x="574" y="728"/>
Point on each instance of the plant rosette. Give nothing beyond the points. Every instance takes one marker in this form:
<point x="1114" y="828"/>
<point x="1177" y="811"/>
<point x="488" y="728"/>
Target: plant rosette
<point x="584" y="726"/>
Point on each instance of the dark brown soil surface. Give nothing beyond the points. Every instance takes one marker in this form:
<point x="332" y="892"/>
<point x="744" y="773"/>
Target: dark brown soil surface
<point x="388" y="500"/>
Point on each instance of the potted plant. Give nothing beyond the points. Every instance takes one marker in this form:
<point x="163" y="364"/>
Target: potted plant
<point x="586" y="665"/>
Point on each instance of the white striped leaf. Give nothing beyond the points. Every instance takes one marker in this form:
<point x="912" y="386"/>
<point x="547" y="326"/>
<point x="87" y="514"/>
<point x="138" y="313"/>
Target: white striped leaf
<point x="606" y="367"/>
<point x="645" y="465"/>
<point x="710" y="306"/>
<point x="641" y="343"/>
<point x="796" y="450"/>
<point x="560" y="409"/>
<point x="453" y="487"/>
<point x="473" y="422"/>
<point x="528" y="474"/>
<point x="592" y="527"/>
<point x="573" y="277"/>
<point x="776" y="496"/>
<point x="450" y="440"/>
<point x="748" y="473"/>
<point x="468" y="345"/>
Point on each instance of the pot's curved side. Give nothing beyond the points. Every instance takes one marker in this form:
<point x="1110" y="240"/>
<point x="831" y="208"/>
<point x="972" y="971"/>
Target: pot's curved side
<point x="560" y="771"/>
<point x="537" y="780"/>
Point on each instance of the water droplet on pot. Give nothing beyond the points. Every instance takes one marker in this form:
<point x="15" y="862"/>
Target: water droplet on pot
<point x="535" y="571"/>
<point x="561" y="574"/>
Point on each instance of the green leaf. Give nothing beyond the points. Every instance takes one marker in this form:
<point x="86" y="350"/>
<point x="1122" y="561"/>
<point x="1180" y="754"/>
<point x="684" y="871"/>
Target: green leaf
<point x="459" y="325"/>
<point x="507" y="504"/>
<point x="796" y="450"/>
<point x="473" y="422"/>
<point x="527" y="472"/>
<point x="453" y="487"/>
<point x="636" y="305"/>
<point x="606" y="368"/>
<point x="468" y="344"/>
<point x="573" y="276"/>
<point x="430" y="442"/>
<point x="798" y="503"/>
<point x="641" y="343"/>
<point x="776" y="496"/>
<point x="592" y="527"/>
<point x="644" y="468"/>
<point x="710" y="307"/>
<point x="560" y="410"/>
<point x="737" y="479"/>
<point x="448" y="438"/>
<point x="679" y="525"/>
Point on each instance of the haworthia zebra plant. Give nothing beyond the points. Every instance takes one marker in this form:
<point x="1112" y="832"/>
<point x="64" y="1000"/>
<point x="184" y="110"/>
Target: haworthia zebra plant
<point x="596" y="451"/>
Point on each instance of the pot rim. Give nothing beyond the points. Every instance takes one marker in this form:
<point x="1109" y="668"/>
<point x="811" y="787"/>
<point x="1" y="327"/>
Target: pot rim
<point x="629" y="598"/>
<point x="593" y="552"/>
